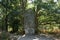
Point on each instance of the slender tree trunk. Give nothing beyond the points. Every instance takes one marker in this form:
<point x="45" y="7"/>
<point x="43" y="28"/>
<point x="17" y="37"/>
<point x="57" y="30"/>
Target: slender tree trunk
<point x="23" y="6"/>
<point x="5" y="27"/>
<point x="36" y="20"/>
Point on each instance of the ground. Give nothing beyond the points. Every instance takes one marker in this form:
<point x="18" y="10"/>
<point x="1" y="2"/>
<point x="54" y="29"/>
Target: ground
<point x="29" y="37"/>
<point x="37" y="37"/>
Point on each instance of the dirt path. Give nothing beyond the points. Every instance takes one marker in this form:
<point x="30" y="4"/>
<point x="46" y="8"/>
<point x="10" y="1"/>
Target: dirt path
<point x="36" y="37"/>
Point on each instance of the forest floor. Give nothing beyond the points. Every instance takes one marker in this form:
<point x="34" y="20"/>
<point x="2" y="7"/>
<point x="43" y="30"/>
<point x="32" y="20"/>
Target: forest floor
<point x="31" y="37"/>
<point x="38" y="37"/>
<point x="34" y="37"/>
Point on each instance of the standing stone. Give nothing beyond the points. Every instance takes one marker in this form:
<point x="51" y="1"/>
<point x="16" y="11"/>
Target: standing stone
<point x="29" y="22"/>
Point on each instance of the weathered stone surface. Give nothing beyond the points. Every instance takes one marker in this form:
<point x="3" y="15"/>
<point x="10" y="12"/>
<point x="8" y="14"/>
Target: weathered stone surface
<point x="29" y="22"/>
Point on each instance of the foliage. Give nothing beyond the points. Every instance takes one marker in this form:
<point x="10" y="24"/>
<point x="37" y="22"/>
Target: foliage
<point x="12" y="14"/>
<point x="48" y="16"/>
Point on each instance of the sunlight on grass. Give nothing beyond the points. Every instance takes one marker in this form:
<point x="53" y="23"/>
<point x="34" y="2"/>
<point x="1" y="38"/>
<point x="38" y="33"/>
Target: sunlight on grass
<point x="9" y="29"/>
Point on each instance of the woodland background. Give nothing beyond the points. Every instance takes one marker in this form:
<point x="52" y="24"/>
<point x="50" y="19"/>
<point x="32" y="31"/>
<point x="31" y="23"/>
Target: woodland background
<point x="47" y="15"/>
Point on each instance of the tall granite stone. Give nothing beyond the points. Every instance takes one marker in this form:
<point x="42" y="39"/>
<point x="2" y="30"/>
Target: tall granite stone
<point x="29" y="22"/>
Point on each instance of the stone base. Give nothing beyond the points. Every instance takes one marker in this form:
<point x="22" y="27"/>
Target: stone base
<point x="30" y="31"/>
